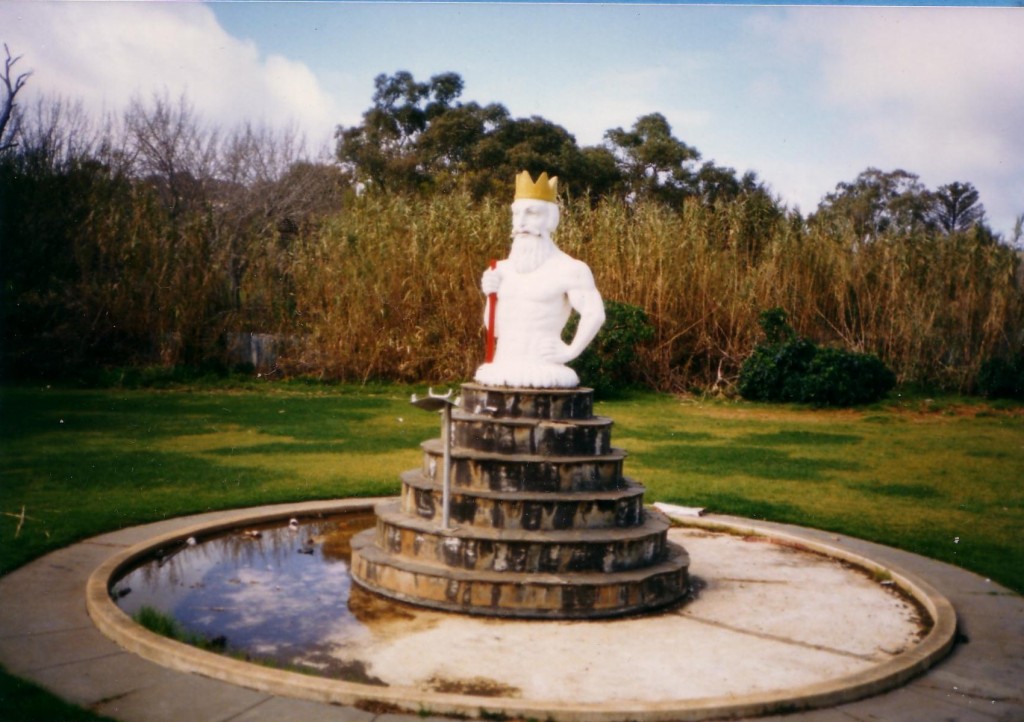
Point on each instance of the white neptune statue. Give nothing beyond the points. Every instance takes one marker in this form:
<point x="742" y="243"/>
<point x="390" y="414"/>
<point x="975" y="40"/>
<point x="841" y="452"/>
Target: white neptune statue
<point x="536" y="288"/>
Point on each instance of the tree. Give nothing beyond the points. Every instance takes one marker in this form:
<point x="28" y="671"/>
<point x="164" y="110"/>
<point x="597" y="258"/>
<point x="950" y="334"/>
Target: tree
<point x="418" y="136"/>
<point x="383" y="151"/>
<point x="957" y="207"/>
<point x="449" y="146"/>
<point x="173" y="149"/>
<point x="9" y="119"/>
<point x="516" y="144"/>
<point x="654" y="163"/>
<point x="536" y="145"/>
<point x="596" y="174"/>
<point x="716" y="183"/>
<point x="878" y="202"/>
<point x="265" y="193"/>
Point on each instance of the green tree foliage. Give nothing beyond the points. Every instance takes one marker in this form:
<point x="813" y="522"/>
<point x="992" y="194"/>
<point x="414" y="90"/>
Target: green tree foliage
<point x="789" y="368"/>
<point x="896" y="202"/>
<point x="878" y="202"/>
<point x="451" y="142"/>
<point x="532" y="144"/>
<point x="656" y="165"/>
<point x="957" y="207"/>
<point x="380" y="151"/>
<point x="421" y="137"/>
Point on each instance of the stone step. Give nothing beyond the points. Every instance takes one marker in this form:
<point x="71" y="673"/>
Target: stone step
<point x="554" y="404"/>
<point x="531" y="436"/>
<point x="525" y="472"/>
<point x="531" y="510"/>
<point x="488" y="549"/>
<point x="527" y="595"/>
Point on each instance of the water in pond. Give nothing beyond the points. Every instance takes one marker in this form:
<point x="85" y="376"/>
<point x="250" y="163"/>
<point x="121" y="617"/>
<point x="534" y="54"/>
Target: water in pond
<point x="273" y="592"/>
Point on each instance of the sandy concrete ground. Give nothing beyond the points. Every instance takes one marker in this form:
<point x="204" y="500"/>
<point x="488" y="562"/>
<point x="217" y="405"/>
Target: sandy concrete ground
<point x="765" y="617"/>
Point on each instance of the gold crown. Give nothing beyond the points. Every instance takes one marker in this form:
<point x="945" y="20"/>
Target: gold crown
<point x="544" y="189"/>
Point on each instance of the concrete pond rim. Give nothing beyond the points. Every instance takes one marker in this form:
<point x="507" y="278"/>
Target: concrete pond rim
<point x="113" y="622"/>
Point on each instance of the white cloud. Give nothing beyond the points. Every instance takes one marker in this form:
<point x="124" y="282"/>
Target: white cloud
<point x="936" y="91"/>
<point x="618" y="97"/>
<point x="107" y="53"/>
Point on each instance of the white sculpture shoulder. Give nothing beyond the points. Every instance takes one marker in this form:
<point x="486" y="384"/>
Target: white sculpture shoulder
<point x="537" y="287"/>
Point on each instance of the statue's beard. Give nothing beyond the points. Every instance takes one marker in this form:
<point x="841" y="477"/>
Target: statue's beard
<point x="529" y="251"/>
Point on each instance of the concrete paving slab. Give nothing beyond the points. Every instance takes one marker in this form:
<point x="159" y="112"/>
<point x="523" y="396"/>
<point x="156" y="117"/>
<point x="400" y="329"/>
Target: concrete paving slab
<point x="992" y="618"/>
<point x="89" y="682"/>
<point x="283" y="709"/>
<point x="945" y="704"/>
<point x="45" y="596"/>
<point x="27" y="653"/>
<point x="977" y="678"/>
<point x="410" y="718"/>
<point x="175" y="697"/>
<point x="825" y="715"/>
<point x="41" y="612"/>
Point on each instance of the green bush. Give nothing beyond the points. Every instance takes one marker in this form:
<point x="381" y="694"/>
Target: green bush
<point x="1003" y="378"/>
<point x="787" y="368"/>
<point x="609" y="364"/>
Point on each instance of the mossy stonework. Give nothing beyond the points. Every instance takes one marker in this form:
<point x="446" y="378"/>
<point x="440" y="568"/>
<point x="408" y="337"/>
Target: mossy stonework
<point x="544" y="525"/>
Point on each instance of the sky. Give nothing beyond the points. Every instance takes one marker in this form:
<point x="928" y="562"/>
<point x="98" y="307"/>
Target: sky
<point x="805" y="95"/>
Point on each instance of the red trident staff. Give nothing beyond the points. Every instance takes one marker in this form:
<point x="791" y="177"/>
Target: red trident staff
<point x="492" y="300"/>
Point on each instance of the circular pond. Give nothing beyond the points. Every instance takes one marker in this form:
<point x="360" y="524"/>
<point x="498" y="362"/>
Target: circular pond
<point x="775" y="623"/>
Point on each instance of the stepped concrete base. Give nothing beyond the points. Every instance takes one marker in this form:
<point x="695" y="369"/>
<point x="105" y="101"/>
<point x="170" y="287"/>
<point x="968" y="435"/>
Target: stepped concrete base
<point x="542" y="522"/>
<point x="524" y="510"/>
<point x="561" y="551"/>
<point x="524" y="472"/>
<point x="532" y="595"/>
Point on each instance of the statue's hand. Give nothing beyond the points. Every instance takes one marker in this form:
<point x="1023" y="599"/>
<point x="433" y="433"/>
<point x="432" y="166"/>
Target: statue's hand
<point x="490" y="282"/>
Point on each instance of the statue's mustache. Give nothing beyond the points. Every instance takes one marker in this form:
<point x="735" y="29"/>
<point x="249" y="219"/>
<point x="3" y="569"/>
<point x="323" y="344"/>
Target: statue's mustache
<point x="529" y="234"/>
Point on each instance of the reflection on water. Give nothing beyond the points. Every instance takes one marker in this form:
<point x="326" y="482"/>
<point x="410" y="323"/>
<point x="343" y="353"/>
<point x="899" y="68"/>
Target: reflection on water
<point x="271" y="592"/>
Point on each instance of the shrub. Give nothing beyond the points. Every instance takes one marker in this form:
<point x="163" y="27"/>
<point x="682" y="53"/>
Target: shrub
<point x="1003" y="378"/>
<point x="609" y="363"/>
<point x="788" y="368"/>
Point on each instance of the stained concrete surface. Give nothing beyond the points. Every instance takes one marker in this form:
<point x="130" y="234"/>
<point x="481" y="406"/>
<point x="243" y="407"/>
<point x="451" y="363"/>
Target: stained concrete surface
<point x="768" y="617"/>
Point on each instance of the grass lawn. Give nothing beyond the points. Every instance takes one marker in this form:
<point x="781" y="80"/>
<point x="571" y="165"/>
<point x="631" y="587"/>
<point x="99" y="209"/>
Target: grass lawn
<point x="945" y="479"/>
<point x="942" y="478"/>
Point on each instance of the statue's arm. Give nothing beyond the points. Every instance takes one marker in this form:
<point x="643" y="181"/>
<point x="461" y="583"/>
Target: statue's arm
<point x="586" y="300"/>
<point x="489" y="284"/>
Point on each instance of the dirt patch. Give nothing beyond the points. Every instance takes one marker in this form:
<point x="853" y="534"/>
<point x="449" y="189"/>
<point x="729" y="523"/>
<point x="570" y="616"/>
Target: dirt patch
<point x="370" y="608"/>
<point x="775" y="413"/>
<point x="476" y="687"/>
<point x="350" y="671"/>
<point x="937" y="409"/>
<point x="375" y="707"/>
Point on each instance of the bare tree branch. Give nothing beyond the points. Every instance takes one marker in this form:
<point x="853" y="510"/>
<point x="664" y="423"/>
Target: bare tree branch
<point x="11" y="91"/>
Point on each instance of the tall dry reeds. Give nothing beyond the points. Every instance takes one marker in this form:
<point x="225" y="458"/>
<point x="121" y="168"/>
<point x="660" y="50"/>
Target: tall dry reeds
<point x="389" y="289"/>
<point x="102" y="267"/>
<point x="157" y="239"/>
